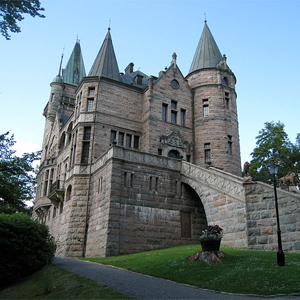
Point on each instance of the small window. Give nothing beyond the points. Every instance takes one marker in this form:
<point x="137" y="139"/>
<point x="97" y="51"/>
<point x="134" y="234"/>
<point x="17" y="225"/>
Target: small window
<point x="173" y="104"/>
<point x="159" y="151"/>
<point x="91" y="92"/>
<point x="225" y="81"/>
<point x="164" y="112"/>
<point x="87" y="133"/>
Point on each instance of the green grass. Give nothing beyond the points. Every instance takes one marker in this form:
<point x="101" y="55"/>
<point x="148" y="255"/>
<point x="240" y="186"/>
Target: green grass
<point x="56" y="283"/>
<point x="242" y="270"/>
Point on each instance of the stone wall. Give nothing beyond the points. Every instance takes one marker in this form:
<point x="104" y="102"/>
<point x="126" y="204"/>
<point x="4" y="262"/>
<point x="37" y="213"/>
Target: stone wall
<point x="261" y="217"/>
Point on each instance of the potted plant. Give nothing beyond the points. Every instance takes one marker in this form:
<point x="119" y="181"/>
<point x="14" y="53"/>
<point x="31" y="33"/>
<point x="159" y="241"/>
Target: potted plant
<point x="211" y="238"/>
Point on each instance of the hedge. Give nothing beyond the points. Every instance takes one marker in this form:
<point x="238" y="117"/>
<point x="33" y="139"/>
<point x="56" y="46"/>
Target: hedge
<point x="25" y="247"/>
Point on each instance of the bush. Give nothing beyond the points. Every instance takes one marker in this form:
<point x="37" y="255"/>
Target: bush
<point x="25" y="247"/>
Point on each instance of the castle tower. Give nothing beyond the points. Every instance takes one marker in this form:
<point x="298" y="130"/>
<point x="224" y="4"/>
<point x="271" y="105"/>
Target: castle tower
<point x="216" y="136"/>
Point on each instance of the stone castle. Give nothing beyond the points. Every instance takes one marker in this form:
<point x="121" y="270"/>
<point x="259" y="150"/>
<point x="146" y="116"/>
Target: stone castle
<point x="133" y="162"/>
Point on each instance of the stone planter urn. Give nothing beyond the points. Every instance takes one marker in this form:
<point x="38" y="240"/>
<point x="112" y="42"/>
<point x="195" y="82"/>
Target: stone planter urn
<point x="210" y="244"/>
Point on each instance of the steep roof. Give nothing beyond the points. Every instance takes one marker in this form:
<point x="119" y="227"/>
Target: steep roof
<point x="105" y="63"/>
<point x="74" y="71"/>
<point x="207" y="54"/>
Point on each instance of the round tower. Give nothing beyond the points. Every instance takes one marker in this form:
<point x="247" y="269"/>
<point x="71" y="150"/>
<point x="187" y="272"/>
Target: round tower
<point x="216" y="130"/>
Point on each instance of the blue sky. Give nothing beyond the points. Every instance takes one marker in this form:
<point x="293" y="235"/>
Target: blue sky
<point x="260" y="39"/>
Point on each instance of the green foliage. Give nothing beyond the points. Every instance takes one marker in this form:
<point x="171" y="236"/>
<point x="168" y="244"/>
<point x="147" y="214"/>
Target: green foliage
<point x="64" y="285"/>
<point x="25" y="246"/>
<point x="12" y="11"/>
<point x="242" y="271"/>
<point x="273" y="141"/>
<point x="17" y="177"/>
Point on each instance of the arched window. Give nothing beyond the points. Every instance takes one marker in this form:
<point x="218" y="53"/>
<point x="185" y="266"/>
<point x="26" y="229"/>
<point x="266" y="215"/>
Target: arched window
<point x="174" y="154"/>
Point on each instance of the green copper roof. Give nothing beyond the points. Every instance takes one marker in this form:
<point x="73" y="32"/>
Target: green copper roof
<point x="74" y="71"/>
<point x="105" y="63"/>
<point x="207" y="53"/>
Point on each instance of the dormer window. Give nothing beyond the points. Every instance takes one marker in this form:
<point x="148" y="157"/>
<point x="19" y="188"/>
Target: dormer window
<point x="138" y="79"/>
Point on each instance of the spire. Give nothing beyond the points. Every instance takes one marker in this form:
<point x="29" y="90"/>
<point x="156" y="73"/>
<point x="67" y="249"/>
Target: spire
<point x="105" y="63"/>
<point x="207" y="54"/>
<point x="74" y="70"/>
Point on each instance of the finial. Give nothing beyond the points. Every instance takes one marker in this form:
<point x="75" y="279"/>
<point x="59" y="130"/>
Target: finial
<point x="205" y="21"/>
<point x="109" y="25"/>
<point x="77" y="39"/>
<point x="59" y="70"/>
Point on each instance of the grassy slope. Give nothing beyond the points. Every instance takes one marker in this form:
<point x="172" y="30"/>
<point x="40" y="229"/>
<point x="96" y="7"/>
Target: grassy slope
<point x="242" y="271"/>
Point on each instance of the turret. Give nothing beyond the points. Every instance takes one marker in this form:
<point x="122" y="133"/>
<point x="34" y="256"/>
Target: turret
<point x="215" y="111"/>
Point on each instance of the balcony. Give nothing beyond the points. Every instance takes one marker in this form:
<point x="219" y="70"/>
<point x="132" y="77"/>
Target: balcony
<point x="57" y="191"/>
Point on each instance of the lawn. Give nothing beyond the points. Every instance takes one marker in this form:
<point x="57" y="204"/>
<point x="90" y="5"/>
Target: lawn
<point x="55" y="283"/>
<point x="242" y="270"/>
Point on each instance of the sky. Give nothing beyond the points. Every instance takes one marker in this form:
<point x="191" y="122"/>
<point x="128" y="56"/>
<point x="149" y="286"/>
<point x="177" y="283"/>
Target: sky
<point x="261" y="39"/>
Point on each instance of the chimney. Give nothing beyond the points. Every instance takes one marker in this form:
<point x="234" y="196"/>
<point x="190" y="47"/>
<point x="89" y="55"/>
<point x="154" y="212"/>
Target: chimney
<point x="129" y="68"/>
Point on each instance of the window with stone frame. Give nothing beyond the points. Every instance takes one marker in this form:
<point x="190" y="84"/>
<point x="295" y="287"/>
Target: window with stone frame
<point x="128" y="140"/>
<point x="173" y="112"/>
<point x="113" y="137"/>
<point x="136" y="142"/>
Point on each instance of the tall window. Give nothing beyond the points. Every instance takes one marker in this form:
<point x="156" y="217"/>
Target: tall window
<point x="205" y="108"/>
<point x="174" y="112"/>
<point x="121" y="139"/>
<point x="227" y="98"/>
<point x="229" y="139"/>
<point x="182" y="117"/>
<point x="136" y="141"/>
<point x="128" y="140"/>
<point x="86" y="145"/>
<point x="164" y="112"/>
<point x="207" y="153"/>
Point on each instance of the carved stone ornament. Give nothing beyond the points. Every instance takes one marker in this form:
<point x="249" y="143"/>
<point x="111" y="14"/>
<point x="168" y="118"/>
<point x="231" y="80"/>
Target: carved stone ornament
<point x="173" y="140"/>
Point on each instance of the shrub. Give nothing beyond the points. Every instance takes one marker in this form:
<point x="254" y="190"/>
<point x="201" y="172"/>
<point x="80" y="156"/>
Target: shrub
<point x="25" y="247"/>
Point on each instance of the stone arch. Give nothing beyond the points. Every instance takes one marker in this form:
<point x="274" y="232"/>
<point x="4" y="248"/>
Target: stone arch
<point x="196" y="187"/>
<point x="193" y="214"/>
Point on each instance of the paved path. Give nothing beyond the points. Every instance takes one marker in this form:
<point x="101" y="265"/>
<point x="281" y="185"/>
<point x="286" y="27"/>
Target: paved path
<point x="143" y="286"/>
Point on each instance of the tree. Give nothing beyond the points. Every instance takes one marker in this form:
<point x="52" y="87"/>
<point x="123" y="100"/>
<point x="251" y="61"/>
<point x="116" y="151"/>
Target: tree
<point x="12" y="11"/>
<point x="273" y="141"/>
<point x="17" y="177"/>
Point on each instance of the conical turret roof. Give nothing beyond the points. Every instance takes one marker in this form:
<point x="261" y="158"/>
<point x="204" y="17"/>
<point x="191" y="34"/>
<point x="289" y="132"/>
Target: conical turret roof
<point x="74" y="71"/>
<point x="105" y="63"/>
<point x="207" y="54"/>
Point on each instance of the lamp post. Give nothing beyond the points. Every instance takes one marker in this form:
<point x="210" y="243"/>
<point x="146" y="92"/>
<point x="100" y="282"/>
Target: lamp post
<point x="273" y="169"/>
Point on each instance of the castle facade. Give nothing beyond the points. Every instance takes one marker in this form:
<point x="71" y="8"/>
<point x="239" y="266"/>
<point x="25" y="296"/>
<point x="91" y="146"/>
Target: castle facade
<point x="111" y="178"/>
